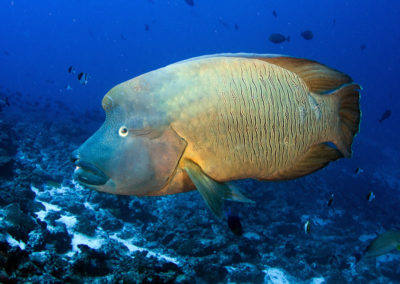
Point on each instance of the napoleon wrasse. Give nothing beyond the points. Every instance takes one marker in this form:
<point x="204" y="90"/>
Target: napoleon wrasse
<point x="202" y="122"/>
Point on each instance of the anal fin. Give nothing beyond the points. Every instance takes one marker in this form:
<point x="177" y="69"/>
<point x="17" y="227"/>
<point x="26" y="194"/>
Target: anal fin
<point x="317" y="157"/>
<point x="213" y="192"/>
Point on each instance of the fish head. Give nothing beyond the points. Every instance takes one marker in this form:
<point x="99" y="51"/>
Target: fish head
<point x="133" y="153"/>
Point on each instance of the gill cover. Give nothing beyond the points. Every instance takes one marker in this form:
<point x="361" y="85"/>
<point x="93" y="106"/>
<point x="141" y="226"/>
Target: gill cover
<point x="138" y="157"/>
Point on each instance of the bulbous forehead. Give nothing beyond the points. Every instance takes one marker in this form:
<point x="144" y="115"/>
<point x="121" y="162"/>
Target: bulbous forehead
<point x="136" y="103"/>
<point x="129" y="93"/>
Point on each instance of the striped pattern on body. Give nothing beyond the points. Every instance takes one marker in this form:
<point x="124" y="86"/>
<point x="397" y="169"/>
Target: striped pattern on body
<point x="249" y="119"/>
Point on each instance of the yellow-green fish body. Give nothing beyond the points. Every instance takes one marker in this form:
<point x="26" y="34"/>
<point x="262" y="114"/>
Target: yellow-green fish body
<point x="209" y="120"/>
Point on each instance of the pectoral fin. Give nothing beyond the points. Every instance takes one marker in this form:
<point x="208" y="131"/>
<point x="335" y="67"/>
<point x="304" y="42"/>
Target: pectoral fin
<point x="212" y="191"/>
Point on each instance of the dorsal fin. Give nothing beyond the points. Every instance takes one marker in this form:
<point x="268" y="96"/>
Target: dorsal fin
<point x="318" y="77"/>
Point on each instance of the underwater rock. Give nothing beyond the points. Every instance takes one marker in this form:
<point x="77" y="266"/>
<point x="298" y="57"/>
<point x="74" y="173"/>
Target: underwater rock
<point x="27" y="269"/>
<point x="167" y="239"/>
<point x="194" y="247"/>
<point x="4" y="247"/>
<point x="153" y="270"/>
<point x="40" y="176"/>
<point x="32" y="206"/>
<point x="52" y="216"/>
<point x="3" y="276"/>
<point x="22" y="194"/>
<point x="75" y="208"/>
<point x="17" y="223"/>
<point x="290" y="250"/>
<point x="236" y="258"/>
<point x="340" y="278"/>
<point x="61" y="270"/>
<point x="60" y="239"/>
<point x="13" y="257"/>
<point x="87" y="223"/>
<point x="211" y="273"/>
<point x="37" y="241"/>
<point x="8" y="149"/>
<point x="132" y="212"/>
<point x="249" y="251"/>
<point x="246" y="273"/>
<point x="390" y="269"/>
<point x="111" y="224"/>
<point x="91" y="262"/>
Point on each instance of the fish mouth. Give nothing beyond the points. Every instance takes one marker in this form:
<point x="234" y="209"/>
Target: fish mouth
<point x="89" y="174"/>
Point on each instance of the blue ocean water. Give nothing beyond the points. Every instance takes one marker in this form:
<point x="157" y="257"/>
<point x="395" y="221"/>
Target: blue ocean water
<point x="51" y="227"/>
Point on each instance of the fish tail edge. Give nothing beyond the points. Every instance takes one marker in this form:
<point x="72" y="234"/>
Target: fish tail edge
<point x="348" y="97"/>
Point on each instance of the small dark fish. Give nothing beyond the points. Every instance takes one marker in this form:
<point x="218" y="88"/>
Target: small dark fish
<point x="275" y="14"/>
<point x="236" y="27"/>
<point x="307" y="35"/>
<point x="7" y="101"/>
<point x="50" y="81"/>
<point x="358" y="171"/>
<point x="234" y="224"/>
<point x="146" y="27"/>
<point x="334" y="21"/>
<point x="71" y="69"/>
<point x="363" y="46"/>
<point x="307" y="227"/>
<point x="278" y="38"/>
<point x="83" y="78"/>
<point x="370" y="196"/>
<point x="385" y="115"/>
<point x="330" y="201"/>
<point x="6" y="52"/>
<point x="122" y="37"/>
<point x="190" y="2"/>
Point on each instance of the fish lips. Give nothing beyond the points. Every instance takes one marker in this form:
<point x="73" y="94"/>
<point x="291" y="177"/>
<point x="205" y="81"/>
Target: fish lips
<point x="89" y="174"/>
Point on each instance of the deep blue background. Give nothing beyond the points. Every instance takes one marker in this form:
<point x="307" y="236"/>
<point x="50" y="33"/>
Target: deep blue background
<point x="107" y="39"/>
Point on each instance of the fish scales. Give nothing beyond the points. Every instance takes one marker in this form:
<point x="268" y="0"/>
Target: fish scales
<point x="266" y="107"/>
<point x="288" y="120"/>
<point x="245" y="93"/>
<point x="261" y="120"/>
<point x="256" y="142"/>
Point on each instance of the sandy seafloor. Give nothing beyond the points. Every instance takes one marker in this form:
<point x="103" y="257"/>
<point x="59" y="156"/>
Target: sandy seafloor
<point x="52" y="230"/>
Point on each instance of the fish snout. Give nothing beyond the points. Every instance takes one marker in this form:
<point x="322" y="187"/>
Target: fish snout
<point x="86" y="172"/>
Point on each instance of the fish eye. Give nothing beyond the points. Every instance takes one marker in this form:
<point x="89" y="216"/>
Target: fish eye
<point x="123" y="131"/>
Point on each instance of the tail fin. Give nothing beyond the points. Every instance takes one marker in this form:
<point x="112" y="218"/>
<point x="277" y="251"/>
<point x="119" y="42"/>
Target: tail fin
<point x="350" y="115"/>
